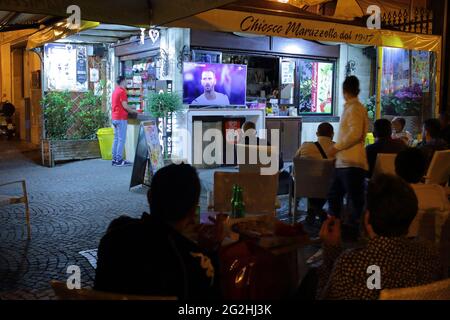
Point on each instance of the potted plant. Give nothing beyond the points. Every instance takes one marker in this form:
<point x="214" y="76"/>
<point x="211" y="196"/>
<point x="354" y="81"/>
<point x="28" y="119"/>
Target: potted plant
<point x="71" y="124"/>
<point x="405" y="103"/>
<point x="161" y="106"/>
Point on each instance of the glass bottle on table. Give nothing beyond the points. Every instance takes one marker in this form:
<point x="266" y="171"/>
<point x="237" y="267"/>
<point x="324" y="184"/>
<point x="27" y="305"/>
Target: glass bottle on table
<point x="233" y="201"/>
<point x="239" y="205"/>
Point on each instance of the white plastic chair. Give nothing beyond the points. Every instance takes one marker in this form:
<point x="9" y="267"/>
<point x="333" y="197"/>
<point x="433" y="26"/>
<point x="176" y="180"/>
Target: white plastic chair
<point x="6" y="200"/>
<point x="312" y="178"/>
<point x="439" y="169"/>
<point x="249" y="159"/>
<point x="385" y="164"/>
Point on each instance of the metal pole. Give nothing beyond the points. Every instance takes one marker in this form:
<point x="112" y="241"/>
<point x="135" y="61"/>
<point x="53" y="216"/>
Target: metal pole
<point x="379" y="81"/>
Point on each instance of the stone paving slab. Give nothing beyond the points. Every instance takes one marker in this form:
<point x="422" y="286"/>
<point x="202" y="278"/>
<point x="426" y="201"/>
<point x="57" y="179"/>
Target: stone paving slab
<point x="71" y="206"/>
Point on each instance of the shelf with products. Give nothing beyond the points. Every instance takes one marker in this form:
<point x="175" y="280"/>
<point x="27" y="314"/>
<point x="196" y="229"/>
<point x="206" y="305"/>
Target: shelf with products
<point x="141" y="77"/>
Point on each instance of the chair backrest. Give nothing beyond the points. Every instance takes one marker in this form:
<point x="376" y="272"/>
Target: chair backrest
<point x="439" y="290"/>
<point x="385" y="163"/>
<point x="312" y="177"/>
<point x="433" y="209"/>
<point x="439" y="169"/>
<point x="259" y="191"/>
<point x="250" y="160"/>
<point x="63" y="293"/>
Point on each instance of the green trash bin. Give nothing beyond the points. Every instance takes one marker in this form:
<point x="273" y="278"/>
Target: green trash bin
<point x="105" y="140"/>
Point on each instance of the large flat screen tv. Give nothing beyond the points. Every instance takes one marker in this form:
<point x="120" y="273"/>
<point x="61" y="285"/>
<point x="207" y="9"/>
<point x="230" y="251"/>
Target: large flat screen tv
<point x="214" y="84"/>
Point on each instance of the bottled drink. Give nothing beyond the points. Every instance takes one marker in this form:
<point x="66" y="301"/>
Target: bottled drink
<point x="239" y="206"/>
<point x="233" y="201"/>
<point x="197" y="215"/>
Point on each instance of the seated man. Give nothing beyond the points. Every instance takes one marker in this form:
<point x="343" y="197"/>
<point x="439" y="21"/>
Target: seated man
<point x="150" y="256"/>
<point x="410" y="165"/>
<point x="401" y="262"/>
<point x="383" y="143"/>
<point x="431" y="141"/>
<point x="318" y="149"/>
<point x="249" y="137"/>
<point x="399" y="132"/>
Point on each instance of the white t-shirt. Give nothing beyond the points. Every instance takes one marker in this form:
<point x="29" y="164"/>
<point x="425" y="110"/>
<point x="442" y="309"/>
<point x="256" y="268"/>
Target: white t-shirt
<point x="220" y="100"/>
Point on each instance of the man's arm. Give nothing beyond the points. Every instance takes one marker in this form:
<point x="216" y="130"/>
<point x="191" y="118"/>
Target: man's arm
<point x="126" y="107"/>
<point x="354" y="134"/>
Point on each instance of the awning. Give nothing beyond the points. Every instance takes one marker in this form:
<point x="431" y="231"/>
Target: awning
<point x="129" y="12"/>
<point x="281" y="26"/>
<point x="57" y="31"/>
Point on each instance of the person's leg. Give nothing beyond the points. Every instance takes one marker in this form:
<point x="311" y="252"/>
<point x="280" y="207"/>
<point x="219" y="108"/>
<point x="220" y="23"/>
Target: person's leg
<point x="122" y="135"/>
<point x="355" y="186"/>
<point x="315" y="206"/>
<point x="116" y="141"/>
<point x="336" y="194"/>
<point x="308" y="286"/>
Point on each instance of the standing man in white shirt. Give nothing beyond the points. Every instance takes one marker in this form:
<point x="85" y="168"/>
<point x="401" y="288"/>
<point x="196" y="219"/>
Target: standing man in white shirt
<point x="351" y="159"/>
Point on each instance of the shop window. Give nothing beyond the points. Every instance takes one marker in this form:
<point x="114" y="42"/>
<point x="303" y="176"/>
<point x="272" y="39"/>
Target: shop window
<point x="407" y="86"/>
<point x="141" y="76"/>
<point x="206" y="56"/>
<point x="262" y="77"/>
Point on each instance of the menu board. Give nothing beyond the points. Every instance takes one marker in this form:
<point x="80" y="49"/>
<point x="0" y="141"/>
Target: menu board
<point x="65" y="67"/>
<point x="149" y="157"/>
<point x="154" y="147"/>
<point x="287" y="72"/>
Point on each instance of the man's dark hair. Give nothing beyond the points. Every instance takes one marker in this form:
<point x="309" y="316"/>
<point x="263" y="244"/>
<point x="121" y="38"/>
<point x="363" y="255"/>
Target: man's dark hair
<point x="392" y="205"/>
<point x="174" y="191"/>
<point x="433" y="127"/>
<point x="351" y="86"/>
<point x="120" y="79"/>
<point x="209" y="70"/>
<point x="325" y="129"/>
<point x="248" y="125"/>
<point x="382" y="128"/>
<point x="411" y="165"/>
<point x="400" y="120"/>
<point x="119" y="223"/>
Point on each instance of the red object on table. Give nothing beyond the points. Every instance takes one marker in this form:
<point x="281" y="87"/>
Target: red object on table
<point x="249" y="272"/>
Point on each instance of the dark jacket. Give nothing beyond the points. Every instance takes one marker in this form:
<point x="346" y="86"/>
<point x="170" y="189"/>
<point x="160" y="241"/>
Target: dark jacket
<point x="428" y="148"/>
<point x="148" y="257"/>
<point x="382" y="145"/>
<point x="445" y="134"/>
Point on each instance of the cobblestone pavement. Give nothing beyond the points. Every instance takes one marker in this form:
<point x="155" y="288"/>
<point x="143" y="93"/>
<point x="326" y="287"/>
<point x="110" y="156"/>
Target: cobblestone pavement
<point x="71" y="206"/>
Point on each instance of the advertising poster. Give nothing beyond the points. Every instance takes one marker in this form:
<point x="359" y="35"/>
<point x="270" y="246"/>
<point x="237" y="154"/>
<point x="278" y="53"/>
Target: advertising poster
<point x="82" y="68"/>
<point x="324" y="87"/>
<point x="396" y="70"/>
<point x="314" y="78"/>
<point x="65" y="67"/>
<point x="287" y="72"/>
<point x="421" y="69"/>
<point x="154" y="147"/>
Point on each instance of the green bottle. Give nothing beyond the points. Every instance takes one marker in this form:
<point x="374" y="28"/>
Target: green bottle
<point x="197" y="215"/>
<point x="240" y="206"/>
<point x="233" y="201"/>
